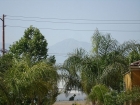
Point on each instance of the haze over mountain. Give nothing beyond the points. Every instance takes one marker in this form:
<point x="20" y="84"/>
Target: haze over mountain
<point x="61" y="49"/>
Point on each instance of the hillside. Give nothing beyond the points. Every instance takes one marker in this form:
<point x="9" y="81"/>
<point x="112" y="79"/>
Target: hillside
<point x="61" y="49"/>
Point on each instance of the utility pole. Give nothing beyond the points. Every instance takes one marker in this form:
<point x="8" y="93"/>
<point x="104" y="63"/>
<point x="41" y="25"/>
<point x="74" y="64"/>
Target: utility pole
<point x="3" y="35"/>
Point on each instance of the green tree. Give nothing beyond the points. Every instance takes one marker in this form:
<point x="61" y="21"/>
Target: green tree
<point x="71" y="70"/>
<point x="106" y="64"/>
<point x="27" y="76"/>
<point x="27" y="82"/>
<point x="32" y="43"/>
<point x="51" y="59"/>
<point x="97" y="94"/>
<point x="134" y="55"/>
<point x="79" y="71"/>
<point x="111" y="59"/>
<point x="102" y="95"/>
<point x="92" y="66"/>
<point x="5" y="62"/>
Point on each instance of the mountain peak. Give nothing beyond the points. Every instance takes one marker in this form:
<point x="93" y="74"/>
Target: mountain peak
<point x="67" y="46"/>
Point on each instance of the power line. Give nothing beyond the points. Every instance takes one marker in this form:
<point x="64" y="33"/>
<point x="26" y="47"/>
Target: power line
<point x="69" y="22"/>
<point x="68" y="19"/>
<point x="77" y="30"/>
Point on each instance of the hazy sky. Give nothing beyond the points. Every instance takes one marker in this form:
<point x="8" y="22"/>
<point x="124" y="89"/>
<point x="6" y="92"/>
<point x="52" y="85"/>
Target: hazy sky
<point x="63" y="19"/>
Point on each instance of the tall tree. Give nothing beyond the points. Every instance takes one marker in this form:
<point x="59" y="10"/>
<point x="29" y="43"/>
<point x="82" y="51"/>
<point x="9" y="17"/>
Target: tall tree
<point x="106" y="64"/>
<point x="27" y="82"/>
<point x="134" y="55"/>
<point x="80" y="71"/>
<point x="111" y="59"/>
<point x="29" y="77"/>
<point x="71" y="70"/>
<point x="32" y="43"/>
<point x="5" y="62"/>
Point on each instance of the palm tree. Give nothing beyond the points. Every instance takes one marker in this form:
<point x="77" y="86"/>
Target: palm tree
<point x="31" y="83"/>
<point x="6" y="62"/>
<point x="98" y="94"/>
<point x="106" y="64"/>
<point x="71" y="70"/>
<point x="79" y="71"/>
<point x="111" y="58"/>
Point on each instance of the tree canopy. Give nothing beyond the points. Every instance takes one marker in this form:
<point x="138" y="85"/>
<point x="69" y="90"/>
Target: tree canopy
<point x="27" y="66"/>
<point x="32" y="43"/>
<point x="27" y="76"/>
<point x="106" y="63"/>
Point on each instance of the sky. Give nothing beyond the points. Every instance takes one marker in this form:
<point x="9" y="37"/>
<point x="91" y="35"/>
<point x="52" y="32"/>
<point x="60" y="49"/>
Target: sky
<point x="78" y="19"/>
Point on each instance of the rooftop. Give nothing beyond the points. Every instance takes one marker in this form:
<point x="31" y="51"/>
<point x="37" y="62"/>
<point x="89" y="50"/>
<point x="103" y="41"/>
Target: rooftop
<point x="137" y="63"/>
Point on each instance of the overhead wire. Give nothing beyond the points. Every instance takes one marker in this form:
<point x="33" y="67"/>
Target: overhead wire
<point x="69" y="19"/>
<point x="77" y="30"/>
<point x="63" y="21"/>
<point x="69" y="22"/>
<point x="66" y="22"/>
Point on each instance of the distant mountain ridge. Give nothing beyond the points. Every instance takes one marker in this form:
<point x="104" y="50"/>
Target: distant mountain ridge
<point x="61" y="49"/>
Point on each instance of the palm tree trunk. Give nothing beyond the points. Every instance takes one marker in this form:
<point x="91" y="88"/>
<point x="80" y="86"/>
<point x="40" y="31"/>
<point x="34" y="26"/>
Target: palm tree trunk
<point x="39" y="101"/>
<point x="93" y="102"/>
<point x="32" y="101"/>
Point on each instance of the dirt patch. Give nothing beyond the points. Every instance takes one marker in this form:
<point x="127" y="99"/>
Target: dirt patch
<point x="70" y="103"/>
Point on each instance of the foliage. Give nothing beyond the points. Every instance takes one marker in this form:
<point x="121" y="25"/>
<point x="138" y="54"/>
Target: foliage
<point x="134" y="55"/>
<point x="97" y="93"/>
<point x="102" y="95"/>
<point x="107" y="63"/>
<point x="27" y="76"/>
<point x="26" y="81"/>
<point x="129" y="96"/>
<point x="51" y="59"/>
<point x="5" y="62"/>
<point x="111" y="59"/>
<point x="32" y="43"/>
<point x="76" y="71"/>
<point x="89" y="74"/>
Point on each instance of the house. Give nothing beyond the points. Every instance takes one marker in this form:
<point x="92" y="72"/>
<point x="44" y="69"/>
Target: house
<point x="132" y="78"/>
